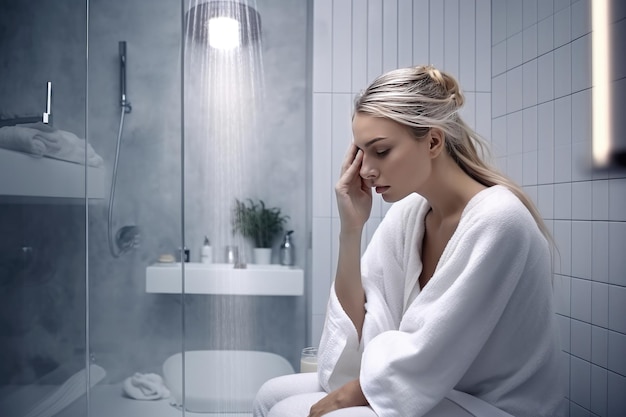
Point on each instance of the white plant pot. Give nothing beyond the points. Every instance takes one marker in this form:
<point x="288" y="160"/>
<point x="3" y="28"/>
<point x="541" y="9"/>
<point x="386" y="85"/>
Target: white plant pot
<point x="262" y="256"/>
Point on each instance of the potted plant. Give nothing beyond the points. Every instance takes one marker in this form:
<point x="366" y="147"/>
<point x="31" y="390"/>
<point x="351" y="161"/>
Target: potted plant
<point x="254" y="220"/>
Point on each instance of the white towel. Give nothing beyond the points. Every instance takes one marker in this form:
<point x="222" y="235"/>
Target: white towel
<point x="483" y="324"/>
<point x="145" y="387"/>
<point x="40" y="139"/>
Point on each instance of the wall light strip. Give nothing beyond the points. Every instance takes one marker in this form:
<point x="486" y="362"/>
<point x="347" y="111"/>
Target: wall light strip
<point x="601" y="97"/>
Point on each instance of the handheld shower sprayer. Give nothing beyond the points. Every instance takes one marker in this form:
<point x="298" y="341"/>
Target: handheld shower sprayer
<point x="124" y="102"/>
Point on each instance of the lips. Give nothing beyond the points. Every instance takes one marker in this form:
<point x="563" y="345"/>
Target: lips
<point x="381" y="189"/>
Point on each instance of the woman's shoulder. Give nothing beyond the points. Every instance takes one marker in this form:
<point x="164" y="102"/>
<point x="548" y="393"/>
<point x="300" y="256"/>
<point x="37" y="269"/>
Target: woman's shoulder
<point x="499" y="205"/>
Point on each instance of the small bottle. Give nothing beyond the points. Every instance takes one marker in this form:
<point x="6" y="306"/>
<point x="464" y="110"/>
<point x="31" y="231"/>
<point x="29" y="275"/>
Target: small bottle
<point x="206" y="255"/>
<point x="287" y="250"/>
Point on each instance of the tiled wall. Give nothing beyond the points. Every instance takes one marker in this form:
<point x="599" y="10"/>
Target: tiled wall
<point x="541" y="66"/>
<point x="354" y="41"/>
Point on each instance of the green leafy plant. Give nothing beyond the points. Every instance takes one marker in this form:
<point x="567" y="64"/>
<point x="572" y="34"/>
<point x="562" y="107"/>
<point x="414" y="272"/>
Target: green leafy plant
<point x="258" y="222"/>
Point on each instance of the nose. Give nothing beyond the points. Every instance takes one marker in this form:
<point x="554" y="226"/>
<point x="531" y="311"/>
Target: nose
<point x="367" y="171"/>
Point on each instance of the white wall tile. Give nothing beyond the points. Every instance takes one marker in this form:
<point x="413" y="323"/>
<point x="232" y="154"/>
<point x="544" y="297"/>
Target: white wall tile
<point x="564" y="326"/>
<point x="616" y="403"/>
<point x="581" y="18"/>
<point x="514" y="134"/>
<point x="580" y="382"/>
<point x="420" y="32"/>
<point x="529" y="43"/>
<point x="599" y="346"/>
<point x="498" y="136"/>
<point x="405" y="33"/>
<point x="581" y="201"/>
<point x="483" y="114"/>
<point x="545" y="164"/>
<point x="563" y="201"/>
<point x="560" y="5"/>
<point x="513" y="17"/>
<point x="582" y="167"/>
<point x="321" y="149"/>
<point x="599" y="387"/>
<point x="581" y="253"/>
<point x="581" y="339"/>
<point x="545" y="194"/>
<point x="374" y="39"/>
<point x="322" y="45"/>
<point x="581" y="63"/>
<point x="498" y="95"/>
<point x="600" y="251"/>
<point x="563" y="238"/>
<point x="514" y="50"/>
<point x="617" y="309"/>
<point x="467" y="44"/>
<point x="498" y="21"/>
<point x="563" y="71"/>
<point x="483" y="45"/>
<point x="563" y="121"/>
<point x="390" y="35"/>
<point x="545" y="35"/>
<point x="322" y="274"/>
<point x="529" y="13"/>
<point x="617" y="347"/>
<point x="515" y="167"/>
<point x="468" y="111"/>
<point x="529" y="83"/>
<point x="562" y="27"/>
<point x="600" y="304"/>
<point x="530" y="168"/>
<point x="436" y="34"/>
<point x="342" y="46"/>
<point x="451" y="37"/>
<point x="600" y="200"/>
<point x="617" y="199"/>
<point x="581" y="301"/>
<point x="498" y="58"/>
<point x="341" y="138"/>
<point x="581" y="116"/>
<point x="529" y="129"/>
<point x="617" y="260"/>
<point x="359" y="48"/>
<point x="562" y="163"/>
<point x="513" y="92"/>
<point x="545" y="8"/>
<point x="545" y="83"/>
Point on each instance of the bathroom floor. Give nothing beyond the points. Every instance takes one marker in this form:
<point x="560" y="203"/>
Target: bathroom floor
<point x="106" y="401"/>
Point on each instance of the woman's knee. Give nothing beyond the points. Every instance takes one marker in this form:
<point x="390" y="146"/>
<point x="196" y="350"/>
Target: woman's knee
<point x="282" y="387"/>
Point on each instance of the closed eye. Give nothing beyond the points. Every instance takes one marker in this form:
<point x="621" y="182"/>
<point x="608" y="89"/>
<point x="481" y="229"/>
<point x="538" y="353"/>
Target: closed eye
<point x="382" y="153"/>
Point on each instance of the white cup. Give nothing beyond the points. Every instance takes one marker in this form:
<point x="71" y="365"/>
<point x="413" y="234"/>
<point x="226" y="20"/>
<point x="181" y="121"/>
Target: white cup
<point x="308" y="360"/>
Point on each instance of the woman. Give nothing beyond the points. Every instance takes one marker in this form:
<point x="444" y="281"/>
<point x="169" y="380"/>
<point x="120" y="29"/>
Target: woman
<point x="454" y="290"/>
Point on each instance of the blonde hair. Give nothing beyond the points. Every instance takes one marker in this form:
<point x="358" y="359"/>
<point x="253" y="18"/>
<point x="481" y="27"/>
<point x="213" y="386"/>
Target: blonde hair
<point x="422" y="98"/>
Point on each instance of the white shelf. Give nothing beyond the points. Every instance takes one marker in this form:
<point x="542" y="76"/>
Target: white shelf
<point x="23" y="175"/>
<point x="224" y="279"/>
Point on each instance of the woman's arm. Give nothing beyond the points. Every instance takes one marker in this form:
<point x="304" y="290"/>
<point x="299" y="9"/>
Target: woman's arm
<point x="354" y="201"/>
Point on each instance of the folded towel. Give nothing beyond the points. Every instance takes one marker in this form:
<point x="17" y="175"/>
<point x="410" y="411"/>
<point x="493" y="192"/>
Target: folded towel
<point x="145" y="387"/>
<point x="40" y="139"/>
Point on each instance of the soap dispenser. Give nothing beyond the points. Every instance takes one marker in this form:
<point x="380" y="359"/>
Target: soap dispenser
<point x="207" y="252"/>
<point x="287" y="251"/>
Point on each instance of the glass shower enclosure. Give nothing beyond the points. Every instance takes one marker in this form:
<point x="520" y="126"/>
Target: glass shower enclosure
<point x="126" y="136"/>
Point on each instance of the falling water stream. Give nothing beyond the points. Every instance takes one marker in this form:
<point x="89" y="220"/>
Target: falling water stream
<point x="224" y="92"/>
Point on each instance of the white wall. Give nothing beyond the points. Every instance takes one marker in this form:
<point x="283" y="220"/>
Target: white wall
<point x="541" y="58"/>
<point x="354" y="42"/>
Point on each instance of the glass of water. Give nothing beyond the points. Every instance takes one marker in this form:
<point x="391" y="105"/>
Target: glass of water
<point x="308" y="360"/>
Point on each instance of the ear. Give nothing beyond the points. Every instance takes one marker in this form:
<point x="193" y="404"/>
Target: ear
<point x="436" y="142"/>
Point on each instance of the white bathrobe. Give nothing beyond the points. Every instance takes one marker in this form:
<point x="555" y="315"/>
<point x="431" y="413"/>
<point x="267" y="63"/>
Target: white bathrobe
<point x="483" y="325"/>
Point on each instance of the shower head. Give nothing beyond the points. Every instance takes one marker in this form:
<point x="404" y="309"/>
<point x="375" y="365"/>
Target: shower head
<point x="223" y="24"/>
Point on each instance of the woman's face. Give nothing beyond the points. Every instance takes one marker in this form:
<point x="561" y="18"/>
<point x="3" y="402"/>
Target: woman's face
<point x="394" y="162"/>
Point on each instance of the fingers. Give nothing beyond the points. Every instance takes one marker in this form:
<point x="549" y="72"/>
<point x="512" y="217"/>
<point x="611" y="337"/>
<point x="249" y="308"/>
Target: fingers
<point x="349" y="158"/>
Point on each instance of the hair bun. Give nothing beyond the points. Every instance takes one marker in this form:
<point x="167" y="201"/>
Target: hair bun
<point x="447" y="83"/>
